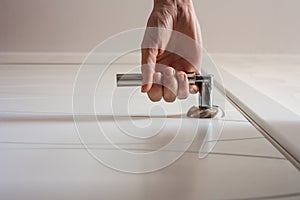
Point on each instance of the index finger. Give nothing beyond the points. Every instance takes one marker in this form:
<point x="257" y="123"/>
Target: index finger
<point x="148" y="67"/>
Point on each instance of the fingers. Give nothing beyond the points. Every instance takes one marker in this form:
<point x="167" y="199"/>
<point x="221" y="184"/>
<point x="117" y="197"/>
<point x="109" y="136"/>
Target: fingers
<point x="193" y="89"/>
<point x="170" y="85"/>
<point x="148" y="65"/>
<point x="183" y="85"/>
<point x="156" y="92"/>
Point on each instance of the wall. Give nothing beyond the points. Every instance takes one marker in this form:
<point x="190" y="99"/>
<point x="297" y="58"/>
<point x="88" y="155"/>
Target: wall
<point x="228" y="26"/>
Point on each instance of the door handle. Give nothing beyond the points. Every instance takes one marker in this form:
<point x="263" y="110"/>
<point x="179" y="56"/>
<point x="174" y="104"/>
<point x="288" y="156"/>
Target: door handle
<point x="205" y="84"/>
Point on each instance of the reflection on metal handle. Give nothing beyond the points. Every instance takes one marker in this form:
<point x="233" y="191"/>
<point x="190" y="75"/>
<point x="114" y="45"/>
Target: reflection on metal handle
<point x="128" y="80"/>
<point x="205" y="85"/>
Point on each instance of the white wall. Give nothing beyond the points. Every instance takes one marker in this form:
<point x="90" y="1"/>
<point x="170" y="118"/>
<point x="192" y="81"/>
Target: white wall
<point x="228" y="26"/>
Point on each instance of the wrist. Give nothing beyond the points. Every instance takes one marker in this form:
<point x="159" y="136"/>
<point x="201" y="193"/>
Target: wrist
<point x="165" y="2"/>
<point x="175" y="3"/>
<point x="184" y="4"/>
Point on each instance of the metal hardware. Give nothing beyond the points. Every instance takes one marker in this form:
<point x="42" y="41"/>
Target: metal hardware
<point x="128" y="80"/>
<point x="205" y="109"/>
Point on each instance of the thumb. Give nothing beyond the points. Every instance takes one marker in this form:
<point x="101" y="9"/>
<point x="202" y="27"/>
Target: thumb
<point x="148" y="67"/>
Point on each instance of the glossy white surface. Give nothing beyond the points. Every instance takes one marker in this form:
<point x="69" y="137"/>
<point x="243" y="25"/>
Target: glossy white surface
<point x="276" y="76"/>
<point x="41" y="155"/>
<point x="266" y="88"/>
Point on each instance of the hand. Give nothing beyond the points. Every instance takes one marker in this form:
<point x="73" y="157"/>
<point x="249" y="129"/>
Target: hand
<point x="170" y="48"/>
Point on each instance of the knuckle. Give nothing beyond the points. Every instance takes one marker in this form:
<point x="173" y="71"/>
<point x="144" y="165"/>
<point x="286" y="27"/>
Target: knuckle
<point x="169" y="70"/>
<point x="157" y="78"/>
<point x="179" y="73"/>
<point x="168" y="73"/>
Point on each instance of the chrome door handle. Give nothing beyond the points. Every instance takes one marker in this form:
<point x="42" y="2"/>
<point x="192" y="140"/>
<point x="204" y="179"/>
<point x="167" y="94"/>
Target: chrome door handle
<point x="205" y="109"/>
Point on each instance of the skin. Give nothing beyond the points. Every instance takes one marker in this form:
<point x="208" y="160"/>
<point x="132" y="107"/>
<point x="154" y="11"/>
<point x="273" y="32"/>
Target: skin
<point x="163" y="66"/>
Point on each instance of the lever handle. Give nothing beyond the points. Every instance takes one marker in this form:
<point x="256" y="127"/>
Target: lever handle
<point x="127" y="80"/>
<point x="204" y="83"/>
<point x="205" y="109"/>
